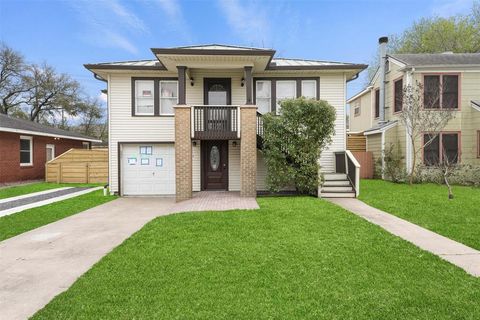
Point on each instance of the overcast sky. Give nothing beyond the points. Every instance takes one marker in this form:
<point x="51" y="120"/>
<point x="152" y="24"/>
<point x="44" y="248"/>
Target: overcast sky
<point x="68" y="34"/>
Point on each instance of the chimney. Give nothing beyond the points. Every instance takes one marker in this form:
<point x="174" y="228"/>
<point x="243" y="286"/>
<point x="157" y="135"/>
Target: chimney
<point x="383" y="60"/>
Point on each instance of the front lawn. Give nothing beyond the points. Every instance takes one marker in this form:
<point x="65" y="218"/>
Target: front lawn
<point x="428" y="206"/>
<point x="295" y="258"/>
<point x="29" y="219"/>
<point x="34" y="187"/>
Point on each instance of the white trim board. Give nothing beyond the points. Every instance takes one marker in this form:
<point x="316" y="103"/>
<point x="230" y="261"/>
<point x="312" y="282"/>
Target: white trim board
<point x="28" y="195"/>
<point x="43" y="134"/>
<point x="47" y="201"/>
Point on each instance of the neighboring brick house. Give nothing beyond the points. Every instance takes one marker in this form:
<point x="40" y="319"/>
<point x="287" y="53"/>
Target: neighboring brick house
<point x="188" y="120"/>
<point x="377" y="115"/>
<point x="25" y="146"/>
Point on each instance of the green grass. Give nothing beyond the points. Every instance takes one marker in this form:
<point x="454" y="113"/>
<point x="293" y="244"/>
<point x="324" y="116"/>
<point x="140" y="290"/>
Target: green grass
<point x="29" y="219"/>
<point x="295" y="258"/>
<point x="35" y="187"/>
<point x="428" y="206"/>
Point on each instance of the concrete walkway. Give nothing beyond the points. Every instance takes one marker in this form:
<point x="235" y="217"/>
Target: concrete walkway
<point x="38" y="265"/>
<point x="454" y="252"/>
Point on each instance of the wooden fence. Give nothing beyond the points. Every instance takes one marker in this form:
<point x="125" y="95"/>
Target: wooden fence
<point x="78" y="166"/>
<point x="356" y="142"/>
<point x="365" y="158"/>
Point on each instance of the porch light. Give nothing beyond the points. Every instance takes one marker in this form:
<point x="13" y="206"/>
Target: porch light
<point x="242" y="83"/>
<point x="234" y="144"/>
<point x="194" y="143"/>
<point x="192" y="82"/>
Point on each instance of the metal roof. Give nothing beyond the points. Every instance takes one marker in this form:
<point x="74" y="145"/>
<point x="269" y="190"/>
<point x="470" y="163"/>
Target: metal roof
<point x="219" y="47"/>
<point x="307" y="62"/>
<point x="435" y="59"/>
<point x="380" y="127"/>
<point x="23" y="126"/>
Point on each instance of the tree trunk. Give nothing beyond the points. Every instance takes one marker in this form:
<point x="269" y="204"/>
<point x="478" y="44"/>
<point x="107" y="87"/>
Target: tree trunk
<point x="445" y="178"/>
<point x="414" y="163"/>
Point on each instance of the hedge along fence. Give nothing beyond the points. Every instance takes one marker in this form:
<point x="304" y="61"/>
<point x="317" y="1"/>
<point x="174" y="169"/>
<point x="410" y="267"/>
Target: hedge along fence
<point x="78" y="166"/>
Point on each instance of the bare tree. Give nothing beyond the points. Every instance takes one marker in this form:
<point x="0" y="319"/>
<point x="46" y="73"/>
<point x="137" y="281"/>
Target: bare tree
<point x="51" y="94"/>
<point x="447" y="167"/>
<point x="12" y="84"/>
<point x="424" y="118"/>
<point x="90" y="112"/>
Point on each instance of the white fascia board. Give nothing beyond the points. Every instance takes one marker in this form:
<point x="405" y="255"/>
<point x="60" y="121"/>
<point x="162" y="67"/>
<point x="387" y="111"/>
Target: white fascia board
<point x="397" y="62"/>
<point x="43" y="134"/>
<point x="475" y="106"/>
<point x="358" y="95"/>
<point x="384" y="129"/>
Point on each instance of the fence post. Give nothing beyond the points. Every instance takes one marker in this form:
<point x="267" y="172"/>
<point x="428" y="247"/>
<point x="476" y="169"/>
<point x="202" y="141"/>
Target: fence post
<point x="59" y="173"/>
<point x="88" y="172"/>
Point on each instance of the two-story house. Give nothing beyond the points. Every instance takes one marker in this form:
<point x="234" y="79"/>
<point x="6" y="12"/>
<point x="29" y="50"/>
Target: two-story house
<point x="377" y="114"/>
<point x="190" y="119"/>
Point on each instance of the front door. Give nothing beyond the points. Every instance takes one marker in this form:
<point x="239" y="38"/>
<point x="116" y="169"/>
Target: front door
<point x="214" y="165"/>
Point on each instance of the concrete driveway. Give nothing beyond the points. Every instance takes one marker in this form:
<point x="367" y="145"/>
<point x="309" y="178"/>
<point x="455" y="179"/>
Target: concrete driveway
<point x="38" y="265"/>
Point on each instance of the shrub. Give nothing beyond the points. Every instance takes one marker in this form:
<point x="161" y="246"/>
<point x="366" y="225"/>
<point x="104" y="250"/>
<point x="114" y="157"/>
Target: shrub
<point x="466" y="175"/>
<point x="293" y="142"/>
<point x="393" y="168"/>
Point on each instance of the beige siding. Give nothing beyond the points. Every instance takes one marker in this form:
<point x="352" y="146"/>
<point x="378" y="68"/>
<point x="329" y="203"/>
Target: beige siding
<point x="233" y="166"/>
<point x="363" y="121"/>
<point x="374" y="144"/>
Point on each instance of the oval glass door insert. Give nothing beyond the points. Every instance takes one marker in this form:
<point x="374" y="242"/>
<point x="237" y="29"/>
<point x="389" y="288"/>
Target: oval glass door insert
<point x="214" y="158"/>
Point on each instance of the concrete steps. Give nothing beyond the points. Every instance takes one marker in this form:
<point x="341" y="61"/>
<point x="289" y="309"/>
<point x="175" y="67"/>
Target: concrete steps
<point x="337" y="185"/>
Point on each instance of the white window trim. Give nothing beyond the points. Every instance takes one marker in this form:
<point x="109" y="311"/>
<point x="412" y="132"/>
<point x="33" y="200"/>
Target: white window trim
<point x="136" y="99"/>
<point x="314" y="86"/>
<point x="50" y="146"/>
<point x="160" y="96"/>
<point x="87" y="144"/>
<point x="31" y="151"/>
<point x="359" y="111"/>
<point x="277" y="102"/>
<point x="269" y="82"/>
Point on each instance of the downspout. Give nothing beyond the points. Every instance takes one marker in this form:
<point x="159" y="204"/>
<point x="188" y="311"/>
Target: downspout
<point x="383" y="59"/>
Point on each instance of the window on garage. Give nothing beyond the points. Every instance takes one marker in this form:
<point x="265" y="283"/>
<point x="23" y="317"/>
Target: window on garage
<point x="144" y="97"/>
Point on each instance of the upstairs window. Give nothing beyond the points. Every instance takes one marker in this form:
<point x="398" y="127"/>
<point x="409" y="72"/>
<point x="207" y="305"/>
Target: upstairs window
<point x="168" y="96"/>
<point x="398" y="95"/>
<point x="377" y="103"/>
<point x="309" y="89"/>
<point x="356" y="111"/>
<point x="443" y="147"/>
<point x="286" y="89"/>
<point x="26" y="151"/>
<point x="263" y="94"/>
<point x="440" y="91"/>
<point x="144" y="97"/>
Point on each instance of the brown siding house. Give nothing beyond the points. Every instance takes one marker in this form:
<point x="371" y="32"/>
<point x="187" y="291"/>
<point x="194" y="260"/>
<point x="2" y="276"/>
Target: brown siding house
<point x="25" y="146"/>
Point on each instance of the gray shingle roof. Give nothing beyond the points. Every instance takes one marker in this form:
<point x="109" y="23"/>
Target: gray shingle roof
<point x="7" y="122"/>
<point x="434" y="59"/>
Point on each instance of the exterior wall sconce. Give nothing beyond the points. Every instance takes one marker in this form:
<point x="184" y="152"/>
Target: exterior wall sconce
<point x="194" y="143"/>
<point x="234" y="144"/>
<point x="192" y="82"/>
<point x="242" y="83"/>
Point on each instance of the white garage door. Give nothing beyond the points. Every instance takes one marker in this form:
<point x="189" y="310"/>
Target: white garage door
<point x="148" y="169"/>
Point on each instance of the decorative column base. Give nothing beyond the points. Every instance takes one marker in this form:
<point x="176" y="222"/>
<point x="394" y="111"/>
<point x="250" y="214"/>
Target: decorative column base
<point x="248" y="151"/>
<point x="183" y="153"/>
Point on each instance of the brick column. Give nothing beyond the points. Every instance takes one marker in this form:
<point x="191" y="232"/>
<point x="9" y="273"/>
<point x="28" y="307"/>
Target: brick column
<point x="183" y="153"/>
<point x="248" y="151"/>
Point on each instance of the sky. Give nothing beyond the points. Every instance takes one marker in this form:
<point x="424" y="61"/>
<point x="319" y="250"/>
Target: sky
<point x="69" y="33"/>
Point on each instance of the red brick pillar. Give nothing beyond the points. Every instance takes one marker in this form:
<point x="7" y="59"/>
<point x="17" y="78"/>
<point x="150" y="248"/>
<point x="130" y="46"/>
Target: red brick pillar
<point x="248" y="151"/>
<point x="183" y="153"/>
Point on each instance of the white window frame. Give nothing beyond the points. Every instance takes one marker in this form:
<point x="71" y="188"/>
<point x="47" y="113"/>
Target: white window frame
<point x="269" y="83"/>
<point x="355" y="114"/>
<point x="30" y="138"/>
<point x="277" y="102"/>
<point x="314" y="86"/>
<point x="49" y="146"/>
<point x="160" y="96"/>
<point x="136" y="98"/>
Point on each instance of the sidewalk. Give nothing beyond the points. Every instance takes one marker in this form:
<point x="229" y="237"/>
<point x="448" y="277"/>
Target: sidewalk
<point x="454" y="252"/>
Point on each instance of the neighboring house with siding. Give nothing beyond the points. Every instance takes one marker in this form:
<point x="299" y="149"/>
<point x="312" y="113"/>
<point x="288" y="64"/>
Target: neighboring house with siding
<point x="458" y="76"/>
<point x="190" y="119"/>
<point x="26" y="146"/>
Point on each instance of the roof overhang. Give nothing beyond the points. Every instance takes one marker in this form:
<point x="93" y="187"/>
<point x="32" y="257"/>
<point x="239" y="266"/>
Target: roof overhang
<point x="380" y="130"/>
<point x="475" y="104"/>
<point x="44" y="134"/>
<point x="361" y="93"/>
<point x="170" y="58"/>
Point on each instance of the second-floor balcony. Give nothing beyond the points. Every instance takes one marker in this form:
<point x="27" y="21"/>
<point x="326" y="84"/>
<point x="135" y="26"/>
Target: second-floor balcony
<point x="219" y="122"/>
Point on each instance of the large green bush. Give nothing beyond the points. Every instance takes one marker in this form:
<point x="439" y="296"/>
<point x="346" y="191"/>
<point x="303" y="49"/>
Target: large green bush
<point x="293" y="142"/>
